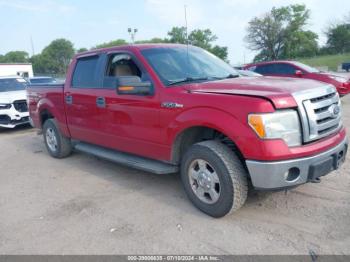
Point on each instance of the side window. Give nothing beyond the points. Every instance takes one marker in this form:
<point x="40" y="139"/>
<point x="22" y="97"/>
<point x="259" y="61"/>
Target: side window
<point x="264" y="69"/>
<point x="284" y="69"/>
<point x="120" y="65"/>
<point x="85" y="73"/>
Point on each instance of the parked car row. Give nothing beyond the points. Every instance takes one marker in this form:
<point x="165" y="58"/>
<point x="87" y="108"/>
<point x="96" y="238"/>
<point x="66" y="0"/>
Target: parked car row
<point x="168" y="108"/>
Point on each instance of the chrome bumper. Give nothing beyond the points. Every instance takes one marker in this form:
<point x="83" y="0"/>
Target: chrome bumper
<point x="287" y="173"/>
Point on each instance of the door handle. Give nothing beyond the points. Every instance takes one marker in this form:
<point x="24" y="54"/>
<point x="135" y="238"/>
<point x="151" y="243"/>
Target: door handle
<point x="101" y="102"/>
<point x="69" y="99"/>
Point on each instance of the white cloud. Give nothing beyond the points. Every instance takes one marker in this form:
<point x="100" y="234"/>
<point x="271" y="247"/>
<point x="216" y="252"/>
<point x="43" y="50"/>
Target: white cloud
<point x="38" y="6"/>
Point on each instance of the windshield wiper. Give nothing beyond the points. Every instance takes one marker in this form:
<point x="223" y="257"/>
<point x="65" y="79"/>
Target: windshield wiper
<point x="232" y="76"/>
<point x="187" y="80"/>
<point x="226" y="77"/>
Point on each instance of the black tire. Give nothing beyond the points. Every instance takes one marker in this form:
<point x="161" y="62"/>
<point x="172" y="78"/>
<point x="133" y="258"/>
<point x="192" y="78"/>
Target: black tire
<point x="63" y="147"/>
<point x="231" y="173"/>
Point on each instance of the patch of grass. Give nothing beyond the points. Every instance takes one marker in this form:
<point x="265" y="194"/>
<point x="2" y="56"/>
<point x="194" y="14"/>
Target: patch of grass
<point x="331" y="61"/>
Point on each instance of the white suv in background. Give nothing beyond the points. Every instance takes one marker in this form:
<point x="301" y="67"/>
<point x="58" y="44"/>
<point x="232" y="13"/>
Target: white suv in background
<point x="13" y="102"/>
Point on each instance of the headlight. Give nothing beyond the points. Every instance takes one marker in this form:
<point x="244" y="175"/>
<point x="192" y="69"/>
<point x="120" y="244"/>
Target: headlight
<point x="278" y="125"/>
<point x="5" y="106"/>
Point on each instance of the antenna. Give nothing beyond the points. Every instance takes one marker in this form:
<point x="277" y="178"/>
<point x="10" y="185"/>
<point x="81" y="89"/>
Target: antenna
<point x="32" y="45"/>
<point x="186" y="24"/>
<point x="188" y="58"/>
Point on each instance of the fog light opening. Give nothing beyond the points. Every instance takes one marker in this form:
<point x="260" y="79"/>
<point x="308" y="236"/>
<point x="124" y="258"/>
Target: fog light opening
<point x="340" y="155"/>
<point x="292" y="174"/>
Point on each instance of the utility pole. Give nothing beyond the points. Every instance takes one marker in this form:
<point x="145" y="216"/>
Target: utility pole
<point x="132" y="32"/>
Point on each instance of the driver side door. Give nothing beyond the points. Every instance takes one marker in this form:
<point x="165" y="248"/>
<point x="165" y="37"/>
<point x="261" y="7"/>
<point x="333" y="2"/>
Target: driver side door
<point x="130" y="121"/>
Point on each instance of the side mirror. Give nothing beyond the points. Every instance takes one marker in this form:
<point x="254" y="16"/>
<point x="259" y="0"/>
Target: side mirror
<point x="133" y="85"/>
<point x="299" y="73"/>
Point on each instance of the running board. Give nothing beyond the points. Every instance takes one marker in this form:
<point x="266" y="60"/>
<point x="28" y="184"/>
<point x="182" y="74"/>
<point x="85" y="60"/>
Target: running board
<point x="137" y="162"/>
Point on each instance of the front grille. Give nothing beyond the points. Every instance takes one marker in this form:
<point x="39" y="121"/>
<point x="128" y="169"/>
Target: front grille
<point x="21" y="106"/>
<point x="4" y="119"/>
<point x="320" y="112"/>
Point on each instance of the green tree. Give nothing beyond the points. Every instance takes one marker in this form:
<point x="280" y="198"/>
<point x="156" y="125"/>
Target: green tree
<point x="15" y="57"/>
<point x="55" y="58"/>
<point x="40" y="64"/>
<point x="177" y="35"/>
<point x="220" y="51"/>
<point x="301" y="44"/>
<point x="112" y="43"/>
<point x="280" y="34"/>
<point x="154" y="40"/>
<point x="201" y="38"/>
<point x="83" y="49"/>
<point x="338" y="38"/>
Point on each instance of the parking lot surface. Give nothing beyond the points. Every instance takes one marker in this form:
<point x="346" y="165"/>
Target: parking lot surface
<point x="83" y="205"/>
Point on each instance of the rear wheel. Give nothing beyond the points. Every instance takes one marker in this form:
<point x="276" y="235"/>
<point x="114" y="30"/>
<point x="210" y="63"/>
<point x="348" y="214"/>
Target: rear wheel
<point x="57" y="145"/>
<point x="214" y="178"/>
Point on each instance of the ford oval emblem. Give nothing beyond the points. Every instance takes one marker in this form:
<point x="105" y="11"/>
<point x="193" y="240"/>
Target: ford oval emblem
<point x="334" y="110"/>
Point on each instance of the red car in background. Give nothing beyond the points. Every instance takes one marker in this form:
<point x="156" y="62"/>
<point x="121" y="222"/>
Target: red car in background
<point x="299" y="70"/>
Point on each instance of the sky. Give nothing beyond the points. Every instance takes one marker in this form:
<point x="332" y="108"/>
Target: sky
<point x="87" y="23"/>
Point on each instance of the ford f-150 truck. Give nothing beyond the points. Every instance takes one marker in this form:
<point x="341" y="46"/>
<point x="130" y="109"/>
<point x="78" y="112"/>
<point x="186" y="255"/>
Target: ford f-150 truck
<point x="174" y="108"/>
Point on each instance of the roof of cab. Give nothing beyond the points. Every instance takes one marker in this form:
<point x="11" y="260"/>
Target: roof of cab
<point x="130" y="47"/>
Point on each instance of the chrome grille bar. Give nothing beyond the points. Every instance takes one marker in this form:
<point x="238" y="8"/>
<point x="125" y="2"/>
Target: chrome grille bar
<point x="320" y="112"/>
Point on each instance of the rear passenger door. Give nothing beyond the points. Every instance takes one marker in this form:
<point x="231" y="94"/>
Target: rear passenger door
<point x="83" y="115"/>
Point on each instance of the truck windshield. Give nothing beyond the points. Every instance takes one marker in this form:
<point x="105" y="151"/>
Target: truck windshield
<point x="12" y="84"/>
<point x="176" y="65"/>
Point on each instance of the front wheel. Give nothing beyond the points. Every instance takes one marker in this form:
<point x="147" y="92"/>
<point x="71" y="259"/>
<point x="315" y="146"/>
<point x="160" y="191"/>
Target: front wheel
<point x="57" y="145"/>
<point x="214" y="178"/>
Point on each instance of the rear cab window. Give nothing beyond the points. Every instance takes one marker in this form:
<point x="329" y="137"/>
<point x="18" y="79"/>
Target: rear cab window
<point x="86" y="72"/>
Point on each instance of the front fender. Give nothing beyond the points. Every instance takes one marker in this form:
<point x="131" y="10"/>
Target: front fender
<point x="236" y="129"/>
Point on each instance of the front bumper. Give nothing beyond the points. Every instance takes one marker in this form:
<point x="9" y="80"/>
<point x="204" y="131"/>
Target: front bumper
<point x="11" y="118"/>
<point x="289" y="173"/>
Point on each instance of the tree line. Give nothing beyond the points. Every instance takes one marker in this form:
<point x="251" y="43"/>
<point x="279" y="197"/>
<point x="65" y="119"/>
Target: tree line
<point x="280" y="33"/>
<point x="55" y="58"/>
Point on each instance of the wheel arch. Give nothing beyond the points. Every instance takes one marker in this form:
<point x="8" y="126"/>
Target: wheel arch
<point x="195" y="134"/>
<point x="48" y="110"/>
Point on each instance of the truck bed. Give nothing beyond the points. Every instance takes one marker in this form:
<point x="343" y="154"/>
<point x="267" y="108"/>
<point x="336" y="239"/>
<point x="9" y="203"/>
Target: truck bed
<point x="48" y="95"/>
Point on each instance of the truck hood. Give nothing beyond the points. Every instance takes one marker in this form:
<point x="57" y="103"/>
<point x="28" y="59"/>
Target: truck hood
<point x="279" y="90"/>
<point x="10" y="97"/>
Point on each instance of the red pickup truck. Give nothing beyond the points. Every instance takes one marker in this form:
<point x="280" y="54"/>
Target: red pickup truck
<point x="173" y="108"/>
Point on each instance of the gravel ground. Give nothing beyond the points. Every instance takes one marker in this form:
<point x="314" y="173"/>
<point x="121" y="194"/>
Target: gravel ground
<point x="82" y="205"/>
